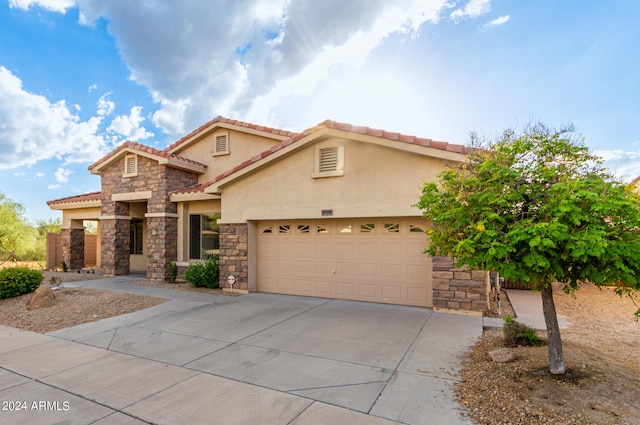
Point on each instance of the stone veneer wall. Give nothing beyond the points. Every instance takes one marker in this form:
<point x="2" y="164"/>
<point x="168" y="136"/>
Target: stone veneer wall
<point x="115" y="235"/>
<point x="234" y="255"/>
<point x="73" y="248"/>
<point x="161" y="216"/>
<point x="162" y="245"/>
<point x="457" y="288"/>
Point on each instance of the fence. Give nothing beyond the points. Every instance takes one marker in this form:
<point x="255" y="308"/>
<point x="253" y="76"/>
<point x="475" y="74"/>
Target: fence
<point x="54" y="250"/>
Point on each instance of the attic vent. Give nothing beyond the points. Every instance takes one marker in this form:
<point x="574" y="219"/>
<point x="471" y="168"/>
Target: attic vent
<point x="221" y="145"/>
<point x="130" y="165"/>
<point x="328" y="159"/>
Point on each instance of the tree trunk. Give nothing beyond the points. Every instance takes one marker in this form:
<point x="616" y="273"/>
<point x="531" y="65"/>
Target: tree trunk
<point x="556" y="357"/>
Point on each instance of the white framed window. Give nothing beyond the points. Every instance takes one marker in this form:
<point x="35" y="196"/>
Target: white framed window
<point x="221" y="144"/>
<point x="329" y="161"/>
<point x="130" y="166"/>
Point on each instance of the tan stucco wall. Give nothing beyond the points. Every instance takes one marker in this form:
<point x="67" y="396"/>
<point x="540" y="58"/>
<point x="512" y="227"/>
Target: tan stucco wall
<point x="378" y="181"/>
<point x="184" y="209"/>
<point x="241" y="147"/>
<point x="69" y="215"/>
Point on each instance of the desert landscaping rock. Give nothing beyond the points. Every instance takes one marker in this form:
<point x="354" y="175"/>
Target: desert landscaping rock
<point x="502" y="355"/>
<point x="41" y="297"/>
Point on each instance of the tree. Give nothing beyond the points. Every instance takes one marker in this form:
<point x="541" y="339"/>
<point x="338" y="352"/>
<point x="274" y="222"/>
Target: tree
<point x="537" y="207"/>
<point x="16" y="235"/>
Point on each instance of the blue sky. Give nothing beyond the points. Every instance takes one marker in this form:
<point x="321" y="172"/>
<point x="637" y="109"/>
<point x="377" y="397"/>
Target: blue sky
<point x="79" y="77"/>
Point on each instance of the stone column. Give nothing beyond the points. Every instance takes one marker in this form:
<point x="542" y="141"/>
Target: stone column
<point x="115" y="236"/>
<point x="234" y="255"/>
<point x="162" y="244"/>
<point x="73" y="247"/>
<point x="457" y="288"/>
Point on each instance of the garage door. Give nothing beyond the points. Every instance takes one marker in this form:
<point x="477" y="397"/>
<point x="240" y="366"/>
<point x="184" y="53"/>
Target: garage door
<point x="375" y="260"/>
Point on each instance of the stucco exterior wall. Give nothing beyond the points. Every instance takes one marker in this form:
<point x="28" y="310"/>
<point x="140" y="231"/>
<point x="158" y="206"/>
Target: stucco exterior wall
<point x="378" y="182"/>
<point x="242" y="146"/>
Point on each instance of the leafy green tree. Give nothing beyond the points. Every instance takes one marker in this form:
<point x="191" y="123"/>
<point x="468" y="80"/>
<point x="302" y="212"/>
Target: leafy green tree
<point x="537" y="207"/>
<point x="16" y="235"/>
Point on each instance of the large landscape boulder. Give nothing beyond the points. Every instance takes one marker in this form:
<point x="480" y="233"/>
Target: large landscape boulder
<point x="42" y="297"/>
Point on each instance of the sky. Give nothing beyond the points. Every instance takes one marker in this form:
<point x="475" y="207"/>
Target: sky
<point x="79" y="77"/>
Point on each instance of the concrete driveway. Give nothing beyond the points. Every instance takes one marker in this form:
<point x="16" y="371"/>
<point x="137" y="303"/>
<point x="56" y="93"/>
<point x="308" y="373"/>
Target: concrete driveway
<point x="255" y="359"/>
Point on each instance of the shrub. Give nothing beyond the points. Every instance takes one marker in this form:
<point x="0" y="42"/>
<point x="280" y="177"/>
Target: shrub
<point x="206" y="274"/>
<point x="16" y="281"/>
<point x="64" y="266"/>
<point x="516" y="333"/>
<point x="173" y="272"/>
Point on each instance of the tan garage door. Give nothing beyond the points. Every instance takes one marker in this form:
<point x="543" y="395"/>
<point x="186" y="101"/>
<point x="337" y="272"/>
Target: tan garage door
<point x="376" y="260"/>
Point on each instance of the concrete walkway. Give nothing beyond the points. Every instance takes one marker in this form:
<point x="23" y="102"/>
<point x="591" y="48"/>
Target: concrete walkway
<point x="255" y="359"/>
<point x="527" y="305"/>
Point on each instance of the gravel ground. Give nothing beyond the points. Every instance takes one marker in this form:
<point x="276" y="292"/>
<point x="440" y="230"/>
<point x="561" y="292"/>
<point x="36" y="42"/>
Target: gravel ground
<point x="602" y="355"/>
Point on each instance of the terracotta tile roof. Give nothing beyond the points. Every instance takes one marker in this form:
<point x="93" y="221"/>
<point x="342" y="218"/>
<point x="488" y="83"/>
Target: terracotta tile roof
<point x="220" y="119"/>
<point x="402" y="138"/>
<point x="143" y="148"/>
<point x="91" y="196"/>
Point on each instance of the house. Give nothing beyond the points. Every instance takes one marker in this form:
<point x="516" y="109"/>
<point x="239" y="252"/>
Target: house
<point x="326" y="212"/>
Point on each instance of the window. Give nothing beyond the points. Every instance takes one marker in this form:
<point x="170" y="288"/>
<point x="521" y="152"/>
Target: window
<point x="204" y="235"/>
<point x="130" y="165"/>
<point x="367" y="227"/>
<point x="329" y="161"/>
<point x="392" y="227"/>
<point x="221" y="144"/>
<point x="136" y="237"/>
<point x="303" y="228"/>
<point x="415" y="229"/>
<point x="284" y="228"/>
<point x="267" y="229"/>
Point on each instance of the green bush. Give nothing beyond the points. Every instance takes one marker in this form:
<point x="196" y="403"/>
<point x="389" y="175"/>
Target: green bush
<point x="516" y="334"/>
<point x="204" y="275"/>
<point x="173" y="272"/>
<point x="16" y="281"/>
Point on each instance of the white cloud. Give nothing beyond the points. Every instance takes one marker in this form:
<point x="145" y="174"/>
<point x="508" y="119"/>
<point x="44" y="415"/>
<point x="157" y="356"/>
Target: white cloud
<point x="62" y="175"/>
<point x="105" y="106"/>
<point x="39" y="175"/>
<point x="53" y="186"/>
<point x="202" y="59"/>
<point x="129" y="127"/>
<point x="473" y="9"/>
<point x="92" y="87"/>
<point x="498" y="21"/>
<point x="53" y="5"/>
<point x="34" y="129"/>
<point x="623" y="164"/>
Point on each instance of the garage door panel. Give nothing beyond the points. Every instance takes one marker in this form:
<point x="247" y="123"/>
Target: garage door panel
<point x="378" y="264"/>
<point x="393" y="271"/>
<point x="304" y="287"/>
<point x="368" y="291"/>
<point x="417" y="272"/>
<point x="325" y="289"/>
<point x="324" y="248"/>
<point x="368" y="249"/>
<point x="285" y="267"/>
<point x="345" y="270"/>
<point x="345" y="249"/>
<point x="392" y="293"/>
<point x="346" y="290"/>
<point x="369" y="270"/>
<point x="394" y="249"/>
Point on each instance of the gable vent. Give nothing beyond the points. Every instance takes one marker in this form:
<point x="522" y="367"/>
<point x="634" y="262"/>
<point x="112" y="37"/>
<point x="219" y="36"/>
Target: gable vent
<point x="328" y="159"/>
<point x="130" y="165"/>
<point x="221" y="143"/>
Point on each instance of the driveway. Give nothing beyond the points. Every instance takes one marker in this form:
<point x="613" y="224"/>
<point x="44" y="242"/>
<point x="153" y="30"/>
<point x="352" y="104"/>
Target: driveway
<point x="254" y="359"/>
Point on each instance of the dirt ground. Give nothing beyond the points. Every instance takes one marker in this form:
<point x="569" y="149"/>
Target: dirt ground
<point x="602" y="356"/>
<point x="76" y="305"/>
<point x="601" y="348"/>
